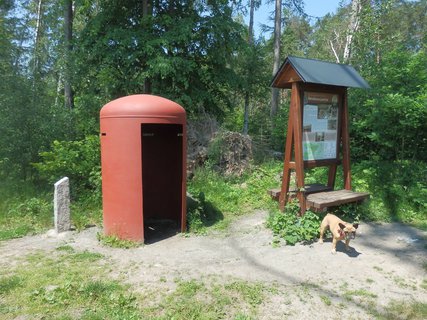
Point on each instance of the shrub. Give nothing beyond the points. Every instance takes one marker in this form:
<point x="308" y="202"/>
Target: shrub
<point x="292" y="228"/>
<point x="77" y="160"/>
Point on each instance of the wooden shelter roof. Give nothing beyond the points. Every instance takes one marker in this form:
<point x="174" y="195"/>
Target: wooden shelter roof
<point x="296" y="69"/>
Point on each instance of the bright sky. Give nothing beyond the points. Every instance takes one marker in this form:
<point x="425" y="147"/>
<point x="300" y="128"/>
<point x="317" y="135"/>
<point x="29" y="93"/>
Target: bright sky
<point x="316" y="8"/>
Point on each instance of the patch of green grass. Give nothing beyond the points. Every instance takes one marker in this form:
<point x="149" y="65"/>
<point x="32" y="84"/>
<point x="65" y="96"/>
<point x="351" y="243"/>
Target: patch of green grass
<point x="65" y="248"/>
<point x="398" y="188"/>
<point x="404" y="310"/>
<point x="85" y="213"/>
<point x="242" y="316"/>
<point x="349" y="294"/>
<point x="85" y="256"/>
<point x="402" y="282"/>
<point x="229" y="197"/>
<point x="326" y="300"/>
<point x="344" y="286"/>
<point x="199" y="300"/>
<point x="424" y="284"/>
<point x="62" y="286"/>
<point x="253" y="294"/>
<point x="378" y="268"/>
<point x="12" y="230"/>
<point x="9" y="283"/>
<point x="27" y="209"/>
<point x="22" y="217"/>
<point x="115" y="242"/>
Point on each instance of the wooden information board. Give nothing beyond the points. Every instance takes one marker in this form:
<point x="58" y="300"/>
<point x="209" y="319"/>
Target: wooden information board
<point x="317" y="133"/>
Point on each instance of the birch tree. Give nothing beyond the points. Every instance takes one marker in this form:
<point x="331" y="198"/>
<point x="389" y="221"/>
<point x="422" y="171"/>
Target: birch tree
<point x="356" y="6"/>
<point x="276" y="54"/>
<point x="37" y="39"/>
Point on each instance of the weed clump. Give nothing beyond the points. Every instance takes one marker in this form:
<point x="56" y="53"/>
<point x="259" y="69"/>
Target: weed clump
<point x="291" y="227"/>
<point x="115" y="242"/>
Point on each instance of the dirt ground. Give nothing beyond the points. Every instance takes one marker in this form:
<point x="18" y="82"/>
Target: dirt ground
<point x="387" y="263"/>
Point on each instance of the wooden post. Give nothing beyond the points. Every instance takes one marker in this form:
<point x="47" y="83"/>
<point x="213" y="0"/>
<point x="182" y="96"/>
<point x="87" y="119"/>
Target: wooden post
<point x="345" y="144"/>
<point x="283" y="199"/>
<point x="299" y="163"/>
<point x="331" y="175"/>
<point x="294" y="143"/>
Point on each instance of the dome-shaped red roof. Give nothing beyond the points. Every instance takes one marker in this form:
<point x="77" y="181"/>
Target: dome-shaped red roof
<point x="142" y="105"/>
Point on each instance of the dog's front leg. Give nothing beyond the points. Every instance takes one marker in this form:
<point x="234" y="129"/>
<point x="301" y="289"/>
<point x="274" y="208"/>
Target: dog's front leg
<point x="347" y="241"/>
<point x="322" y="231"/>
<point x="334" y="245"/>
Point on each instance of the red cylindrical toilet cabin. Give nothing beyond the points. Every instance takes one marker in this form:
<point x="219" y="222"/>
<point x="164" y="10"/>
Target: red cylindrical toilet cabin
<point x="143" y="159"/>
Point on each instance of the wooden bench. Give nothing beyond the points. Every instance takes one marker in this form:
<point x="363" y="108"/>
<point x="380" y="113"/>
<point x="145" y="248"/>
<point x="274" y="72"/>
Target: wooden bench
<point x="320" y="197"/>
<point x="323" y="200"/>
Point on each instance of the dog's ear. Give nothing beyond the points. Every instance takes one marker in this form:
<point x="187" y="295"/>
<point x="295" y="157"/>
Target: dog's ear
<point x="355" y="225"/>
<point x="342" y="226"/>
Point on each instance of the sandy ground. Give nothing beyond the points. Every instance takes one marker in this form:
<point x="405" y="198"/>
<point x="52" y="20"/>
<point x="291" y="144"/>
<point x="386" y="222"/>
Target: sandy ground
<point x="387" y="262"/>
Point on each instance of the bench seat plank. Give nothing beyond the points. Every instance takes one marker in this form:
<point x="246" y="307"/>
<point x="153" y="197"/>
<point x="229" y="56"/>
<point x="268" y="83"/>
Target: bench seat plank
<point x="334" y="198"/>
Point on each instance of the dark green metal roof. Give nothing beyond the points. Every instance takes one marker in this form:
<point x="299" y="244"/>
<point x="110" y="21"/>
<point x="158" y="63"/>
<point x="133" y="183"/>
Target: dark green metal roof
<point x="321" y="72"/>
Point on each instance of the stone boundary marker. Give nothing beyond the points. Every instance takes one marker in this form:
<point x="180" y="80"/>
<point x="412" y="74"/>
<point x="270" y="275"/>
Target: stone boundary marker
<point x="61" y="205"/>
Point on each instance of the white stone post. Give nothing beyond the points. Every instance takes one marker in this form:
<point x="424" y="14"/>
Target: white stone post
<point x="61" y="205"/>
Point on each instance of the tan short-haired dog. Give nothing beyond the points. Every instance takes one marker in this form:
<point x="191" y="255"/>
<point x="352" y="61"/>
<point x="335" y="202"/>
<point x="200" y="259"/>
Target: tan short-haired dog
<point x="340" y="230"/>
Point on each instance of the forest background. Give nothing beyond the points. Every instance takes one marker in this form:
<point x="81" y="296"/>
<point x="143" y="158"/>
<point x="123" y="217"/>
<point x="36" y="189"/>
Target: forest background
<point x="62" y="60"/>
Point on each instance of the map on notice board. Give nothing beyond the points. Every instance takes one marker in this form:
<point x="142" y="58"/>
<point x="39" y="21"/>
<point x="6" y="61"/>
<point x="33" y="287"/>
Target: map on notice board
<point x="320" y="126"/>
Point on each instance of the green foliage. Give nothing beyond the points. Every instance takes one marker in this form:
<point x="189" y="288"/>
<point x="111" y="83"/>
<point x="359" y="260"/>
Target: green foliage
<point x="280" y="125"/>
<point x="35" y="206"/>
<point x="398" y="190"/>
<point x="27" y="209"/>
<point x="225" y="198"/>
<point x="201" y="214"/>
<point x="115" y="242"/>
<point x="63" y="285"/>
<point x="389" y="122"/>
<point x="21" y="218"/>
<point x="77" y="160"/>
<point x="86" y="213"/>
<point x="196" y="300"/>
<point x="9" y="283"/>
<point x="404" y="310"/>
<point x="293" y="228"/>
<point x="189" y="62"/>
<point x="349" y="212"/>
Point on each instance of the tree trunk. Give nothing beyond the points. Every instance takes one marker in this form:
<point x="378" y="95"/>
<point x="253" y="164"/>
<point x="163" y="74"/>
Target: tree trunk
<point x="37" y="42"/>
<point x="356" y="6"/>
<point x="276" y="55"/>
<point x="68" y="37"/>
<point x="147" y="10"/>
<point x="251" y="22"/>
<point x="250" y="42"/>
